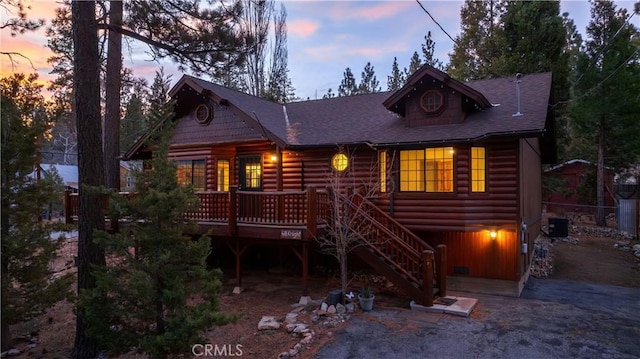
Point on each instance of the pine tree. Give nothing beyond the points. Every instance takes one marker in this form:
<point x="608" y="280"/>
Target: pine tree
<point x="414" y="65"/>
<point x="348" y="84"/>
<point x="27" y="249"/>
<point x="133" y="123"/>
<point x="329" y="94"/>
<point x="480" y="41"/>
<point x="428" y="52"/>
<point x="158" y="94"/>
<point x="368" y="81"/>
<point x="396" y="80"/>
<point x="607" y="107"/>
<point x="158" y="294"/>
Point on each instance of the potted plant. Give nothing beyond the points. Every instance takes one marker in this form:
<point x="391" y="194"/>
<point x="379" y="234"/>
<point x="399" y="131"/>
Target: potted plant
<point x="366" y="298"/>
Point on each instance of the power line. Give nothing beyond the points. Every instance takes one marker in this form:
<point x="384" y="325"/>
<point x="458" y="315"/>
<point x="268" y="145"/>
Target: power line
<point x="437" y="23"/>
<point x="586" y="93"/>
<point x="604" y="47"/>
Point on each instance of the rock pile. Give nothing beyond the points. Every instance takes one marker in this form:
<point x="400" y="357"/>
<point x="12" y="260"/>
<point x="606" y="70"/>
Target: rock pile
<point x="32" y="341"/>
<point x="294" y="323"/>
<point x="626" y="246"/>
<point x="542" y="264"/>
<point x="600" y="232"/>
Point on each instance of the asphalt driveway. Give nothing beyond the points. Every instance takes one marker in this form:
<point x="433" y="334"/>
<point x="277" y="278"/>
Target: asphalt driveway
<point x="552" y="319"/>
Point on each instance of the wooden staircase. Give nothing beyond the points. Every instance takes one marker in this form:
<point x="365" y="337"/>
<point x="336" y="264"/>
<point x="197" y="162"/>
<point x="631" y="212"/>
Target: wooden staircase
<point x="394" y="251"/>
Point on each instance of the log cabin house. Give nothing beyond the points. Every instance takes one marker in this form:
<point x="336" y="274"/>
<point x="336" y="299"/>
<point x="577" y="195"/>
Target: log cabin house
<point x="457" y="167"/>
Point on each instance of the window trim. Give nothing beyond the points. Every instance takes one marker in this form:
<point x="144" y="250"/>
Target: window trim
<point x="337" y="160"/>
<point x="421" y="173"/>
<point x="227" y="180"/>
<point x="472" y="171"/>
<point x="382" y="171"/>
<point x="192" y="161"/>
<point x="438" y="109"/>
<point x="243" y="161"/>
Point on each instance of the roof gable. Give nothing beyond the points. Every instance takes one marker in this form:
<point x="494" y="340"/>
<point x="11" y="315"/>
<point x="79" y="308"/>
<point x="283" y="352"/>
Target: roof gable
<point x="396" y="101"/>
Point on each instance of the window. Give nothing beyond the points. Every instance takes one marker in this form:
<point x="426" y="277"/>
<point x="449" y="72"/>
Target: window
<point x="429" y="170"/>
<point x="412" y="170"/>
<point x="339" y="162"/>
<point x="478" y="169"/>
<point x="432" y="101"/>
<point x="251" y="173"/>
<point x="192" y="172"/>
<point x="382" y="162"/>
<point x="223" y="175"/>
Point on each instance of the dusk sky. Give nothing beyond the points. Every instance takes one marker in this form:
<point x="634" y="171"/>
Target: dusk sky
<point x="324" y="37"/>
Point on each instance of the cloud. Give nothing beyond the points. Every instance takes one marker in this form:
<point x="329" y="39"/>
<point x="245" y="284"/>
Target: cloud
<point x="302" y="28"/>
<point x="366" y="11"/>
<point x="34" y="54"/>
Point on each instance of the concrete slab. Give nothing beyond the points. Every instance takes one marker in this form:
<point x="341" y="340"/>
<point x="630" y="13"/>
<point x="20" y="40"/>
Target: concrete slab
<point x="461" y="306"/>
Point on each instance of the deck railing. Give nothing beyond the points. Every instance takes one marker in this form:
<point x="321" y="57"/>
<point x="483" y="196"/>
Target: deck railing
<point x="299" y="208"/>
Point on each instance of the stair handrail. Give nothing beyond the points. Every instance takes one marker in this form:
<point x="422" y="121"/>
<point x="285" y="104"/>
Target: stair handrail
<point x="408" y="232"/>
<point x="413" y="252"/>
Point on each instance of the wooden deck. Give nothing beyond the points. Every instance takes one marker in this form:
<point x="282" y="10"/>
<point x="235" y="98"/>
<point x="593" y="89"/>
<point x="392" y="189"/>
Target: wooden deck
<point x="292" y="219"/>
<point x="267" y="215"/>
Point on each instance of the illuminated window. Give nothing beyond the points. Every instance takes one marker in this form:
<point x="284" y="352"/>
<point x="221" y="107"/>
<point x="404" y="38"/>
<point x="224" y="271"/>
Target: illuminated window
<point x="192" y="172"/>
<point x="223" y="175"/>
<point x="251" y="173"/>
<point x="432" y="101"/>
<point x="382" y="162"/>
<point x="429" y="170"/>
<point x="339" y="162"/>
<point x="412" y="170"/>
<point x="478" y="169"/>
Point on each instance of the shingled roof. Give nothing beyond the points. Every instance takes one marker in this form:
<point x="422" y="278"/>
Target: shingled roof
<point x="365" y="119"/>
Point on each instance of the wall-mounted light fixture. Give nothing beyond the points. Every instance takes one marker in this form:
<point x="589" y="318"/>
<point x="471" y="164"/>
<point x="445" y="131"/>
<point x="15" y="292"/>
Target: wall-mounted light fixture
<point x="493" y="234"/>
<point x="274" y="158"/>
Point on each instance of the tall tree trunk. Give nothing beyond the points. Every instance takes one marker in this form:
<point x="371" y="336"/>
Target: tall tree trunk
<point x="86" y="93"/>
<point x="112" y="100"/>
<point x="601" y="219"/>
<point x="6" y="333"/>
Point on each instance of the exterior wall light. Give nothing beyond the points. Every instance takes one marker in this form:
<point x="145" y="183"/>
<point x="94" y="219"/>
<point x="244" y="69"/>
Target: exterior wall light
<point x="339" y="162"/>
<point x="493" y="234"/>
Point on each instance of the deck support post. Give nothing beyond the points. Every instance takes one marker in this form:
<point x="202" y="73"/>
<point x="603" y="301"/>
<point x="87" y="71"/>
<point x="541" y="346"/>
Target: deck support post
<point x="427" y="278"/>
<point x="67" y="207"/>
<point x="304" y="258"/>
<point x="312" y="211"/>
<point x="238" y="251"/>
<point x="441" y="269"/>
<point x="305" y="269"/>
<point x="232" y="215"/>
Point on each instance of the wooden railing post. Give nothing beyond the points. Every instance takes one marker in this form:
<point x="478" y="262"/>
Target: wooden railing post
<point x="312" y="211"/>
<point x="441" y="269"/>
<point x="233" y="213"/>
<point x="67" y="206"/>
<point x="427" y="278"/>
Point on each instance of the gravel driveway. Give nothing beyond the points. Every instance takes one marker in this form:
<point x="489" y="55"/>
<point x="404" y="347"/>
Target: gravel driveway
<point x="552" y="319"/>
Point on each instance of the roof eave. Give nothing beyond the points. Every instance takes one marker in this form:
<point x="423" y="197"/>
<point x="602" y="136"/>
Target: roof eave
<point x="491" y="135"/>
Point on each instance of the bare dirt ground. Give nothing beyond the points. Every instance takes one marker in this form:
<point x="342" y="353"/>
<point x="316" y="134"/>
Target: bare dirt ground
<point x="592" y="259"/>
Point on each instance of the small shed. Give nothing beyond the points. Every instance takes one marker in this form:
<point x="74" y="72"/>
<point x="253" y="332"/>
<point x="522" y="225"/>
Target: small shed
<point x="575" y="194"/>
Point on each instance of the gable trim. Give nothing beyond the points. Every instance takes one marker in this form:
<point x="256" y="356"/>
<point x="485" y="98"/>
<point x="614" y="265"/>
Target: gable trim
<point x="427" y="70"/>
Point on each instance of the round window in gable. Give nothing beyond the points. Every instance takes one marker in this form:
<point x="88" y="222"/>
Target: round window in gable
<point x="340" y="162"/>
<point x="204" y="114"/>
<point x="432" y="101"/>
